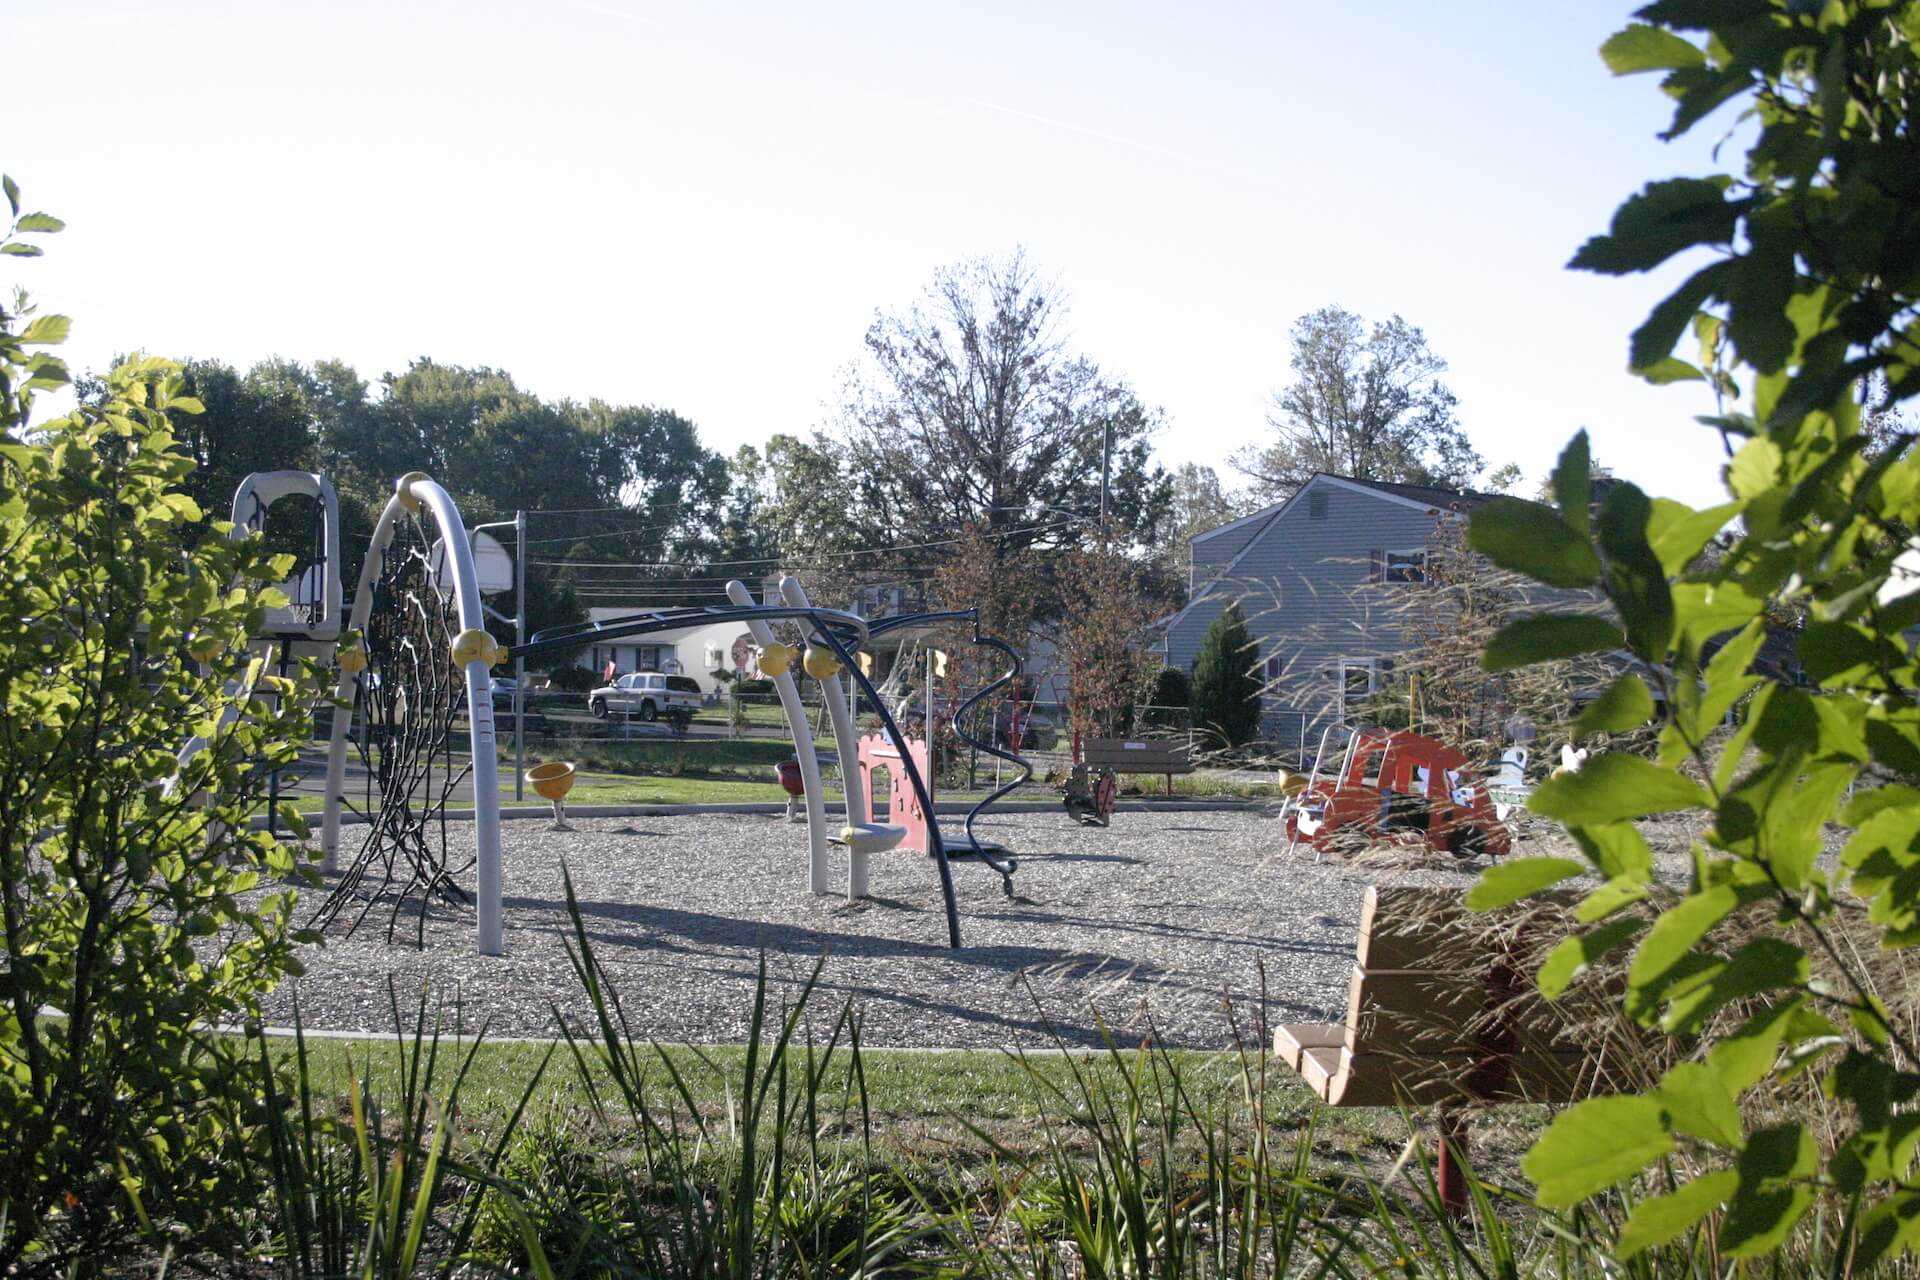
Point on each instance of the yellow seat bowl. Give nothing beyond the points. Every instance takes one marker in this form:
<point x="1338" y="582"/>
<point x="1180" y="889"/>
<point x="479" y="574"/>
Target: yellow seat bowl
<point x="1291" y="784"/>
<point x="552" y="780"/>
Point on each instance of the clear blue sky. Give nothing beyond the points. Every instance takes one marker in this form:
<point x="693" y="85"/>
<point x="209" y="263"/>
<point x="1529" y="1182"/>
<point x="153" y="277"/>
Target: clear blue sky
<point x="702" y="206"/>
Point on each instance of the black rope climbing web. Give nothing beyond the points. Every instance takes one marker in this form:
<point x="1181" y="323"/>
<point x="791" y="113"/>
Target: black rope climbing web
<point x="405" y="707"/>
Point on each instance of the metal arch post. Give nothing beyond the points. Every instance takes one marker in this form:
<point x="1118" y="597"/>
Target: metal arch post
<point x="490" y="930"/>
<point x="343" y="692"/>
<point x="418" y="492"/>
<point x="819" y="879"/>
<point x="935" y="844"/>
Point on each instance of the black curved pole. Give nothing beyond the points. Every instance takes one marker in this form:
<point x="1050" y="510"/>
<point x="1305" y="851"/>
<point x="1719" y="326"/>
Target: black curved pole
<point x="935" y="845"/>
<point x="1007" y="866"/>
<point x="835" y="622"/>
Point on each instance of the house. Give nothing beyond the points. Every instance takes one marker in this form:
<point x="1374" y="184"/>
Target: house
<point x="1298" y="569"/>
<point x="699" y="652"/>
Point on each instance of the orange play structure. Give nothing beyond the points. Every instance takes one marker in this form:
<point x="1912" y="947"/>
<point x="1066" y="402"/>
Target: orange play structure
<point x="1391" y="784"/>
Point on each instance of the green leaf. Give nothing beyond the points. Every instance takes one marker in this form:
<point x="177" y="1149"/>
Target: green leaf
<point x="1653" y="341"/>
<point x="1545" y="637"/>
<point x="15" y="248"/>
<point x="1670" y="370"/>
<point x="1609" y="898"/>
<point x="1765" y="964"/>
<point x="1661" y="1218"/>
<point x="1746" y="1057"/>
<point x="1678" y="533"/>
<point x="1773" y="1169"/>
<point x="1625" y="705"/>
<point x="1635" y="580"/>
<point x="1594" y="1144"/>
<point x="1617" y="849"/>
<point x="1840" y="653"/>
<point x="46" y="331"/>
<point x="1890" y="1227"/>
<point x="1639" y="47"/>
<point x="1665" y="218"/>
<point x="1528" y="538"/>
<point x="12" y="190"/>
<point x="1511" y="879"/>
<point x="1572" y="483"/>
<point x="1572" y="955"/>
<point x="1612" y="787"/>
<point x="40" y="222"/>
<point x="1678" y="930"/>
<point x="1704" y="610"/>
<point x="1698" y="1104"/>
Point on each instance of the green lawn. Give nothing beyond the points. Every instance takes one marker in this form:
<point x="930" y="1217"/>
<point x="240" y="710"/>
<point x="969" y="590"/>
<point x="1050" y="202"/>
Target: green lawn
<point x="922" y="1103"/>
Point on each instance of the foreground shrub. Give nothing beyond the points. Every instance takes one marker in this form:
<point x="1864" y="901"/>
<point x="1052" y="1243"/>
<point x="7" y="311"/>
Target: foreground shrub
<point x="124" y="942"/>
<point x="1770" y="964"/>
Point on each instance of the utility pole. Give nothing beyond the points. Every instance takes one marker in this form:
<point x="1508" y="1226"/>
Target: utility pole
<point x="519" y="664"/>
<point x="1106" y="468"/>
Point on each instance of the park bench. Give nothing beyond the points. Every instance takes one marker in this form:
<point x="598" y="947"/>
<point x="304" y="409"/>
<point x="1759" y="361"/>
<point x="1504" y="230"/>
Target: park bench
<point x="1441" y="1013"/>
<point x="1138" y="755"/>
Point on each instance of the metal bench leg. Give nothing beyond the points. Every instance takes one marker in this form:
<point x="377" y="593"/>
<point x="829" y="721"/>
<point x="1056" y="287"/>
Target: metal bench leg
<point x="1451" y="1141"/>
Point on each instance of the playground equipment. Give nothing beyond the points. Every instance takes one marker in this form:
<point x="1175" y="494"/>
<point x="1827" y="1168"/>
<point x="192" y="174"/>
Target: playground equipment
<point x="1392" y="785"/>
<point x="1090" y="794"/>
<point x="921" y="821"/>
<point x="831" y="636"/>
<point x="308" y="625"/>
<point x="422" y="660"/>
<point x="552" y="781"/>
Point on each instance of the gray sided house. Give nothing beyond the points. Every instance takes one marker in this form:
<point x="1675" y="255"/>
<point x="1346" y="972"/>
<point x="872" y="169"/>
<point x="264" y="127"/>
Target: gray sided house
<point x="1305" y="572"/>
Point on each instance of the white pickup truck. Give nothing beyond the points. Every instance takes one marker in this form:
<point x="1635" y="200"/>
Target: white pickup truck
<point x="647" y="695"/>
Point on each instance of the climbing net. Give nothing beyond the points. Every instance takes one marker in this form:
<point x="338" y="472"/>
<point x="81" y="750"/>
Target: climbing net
<point x="405" y="705"/>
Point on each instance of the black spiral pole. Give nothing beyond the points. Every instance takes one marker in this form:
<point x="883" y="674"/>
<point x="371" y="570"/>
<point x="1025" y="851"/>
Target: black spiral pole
<point x="986" y="854"/>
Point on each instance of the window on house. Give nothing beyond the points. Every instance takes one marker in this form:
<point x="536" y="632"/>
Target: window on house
<point x="1274" y="668"/>
<point x="1406" y="566"/>
<point x="1357" y="683"/>
<point x="1317" y="505"/>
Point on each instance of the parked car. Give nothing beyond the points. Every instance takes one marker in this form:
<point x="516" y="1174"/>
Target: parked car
<point x="503" y="688"/>
<point x="647" y="695"/>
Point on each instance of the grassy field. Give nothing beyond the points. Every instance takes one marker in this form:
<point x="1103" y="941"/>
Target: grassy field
<point x="944" y="1108"/>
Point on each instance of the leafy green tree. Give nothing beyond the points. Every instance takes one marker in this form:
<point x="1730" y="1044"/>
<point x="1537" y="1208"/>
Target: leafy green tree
<point x="1226" y="695"/>
<point x="1766" y="963"/>
<point x="970" y="410"/>
<point x="1366" y="401"/>
<point x="120" y="864"/>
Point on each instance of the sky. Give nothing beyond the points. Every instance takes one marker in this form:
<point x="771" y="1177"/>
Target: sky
<point x="702" y="207"/>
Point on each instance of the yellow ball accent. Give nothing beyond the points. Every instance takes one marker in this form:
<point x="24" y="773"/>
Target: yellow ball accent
<point x="353" y="661"/>
<point x="552" y="780"/>
<point x="820" y="662"/>
<point x="472" y="646"/>
<point x="775" y="660"/>
<point x="403" y="489"/>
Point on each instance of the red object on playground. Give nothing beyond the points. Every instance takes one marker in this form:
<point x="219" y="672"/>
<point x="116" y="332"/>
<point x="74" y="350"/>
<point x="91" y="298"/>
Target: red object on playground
<point x="1401" y="785"/>
<point x="789" y="771"/>
<point x="877" y="754"/>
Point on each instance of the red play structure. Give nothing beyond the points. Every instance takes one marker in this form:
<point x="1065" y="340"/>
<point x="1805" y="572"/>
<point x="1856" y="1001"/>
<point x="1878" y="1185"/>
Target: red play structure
<point x="878" y="754"/>
<point x="1395" y="785"/>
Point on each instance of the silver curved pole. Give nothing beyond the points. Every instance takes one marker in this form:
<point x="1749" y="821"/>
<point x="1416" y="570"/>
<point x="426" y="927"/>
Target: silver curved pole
<point x="819" y="879"/>
<point x="851" y="780"/>
<point x="412" y="493"/>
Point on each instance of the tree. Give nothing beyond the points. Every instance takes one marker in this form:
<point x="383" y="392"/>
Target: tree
<point x="119" y="865"/>
<point x="1365" y="402"/>
<point x="1769" y="962"/>
<point x="1196" y="503"/>
<point x="1106" y="616"/>
<point x="1226" y="695"/>
<point x="970" y="410"/>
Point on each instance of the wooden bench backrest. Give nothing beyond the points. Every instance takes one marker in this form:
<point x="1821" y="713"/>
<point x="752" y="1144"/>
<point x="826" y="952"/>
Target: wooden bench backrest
<point x="1136" y="755"/>
<point x="1436" y="1007"/>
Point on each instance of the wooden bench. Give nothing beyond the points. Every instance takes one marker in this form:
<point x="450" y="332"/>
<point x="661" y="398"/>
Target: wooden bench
<point x="1138" y="755"/>
<point x="1439" y="1013"/>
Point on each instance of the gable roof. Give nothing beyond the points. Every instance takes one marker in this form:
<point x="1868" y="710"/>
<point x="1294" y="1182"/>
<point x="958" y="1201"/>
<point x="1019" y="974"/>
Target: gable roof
<point x="1425" y="497"/>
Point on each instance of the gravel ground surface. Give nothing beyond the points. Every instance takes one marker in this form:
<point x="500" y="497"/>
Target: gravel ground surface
<point x="1152" y="921"/>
